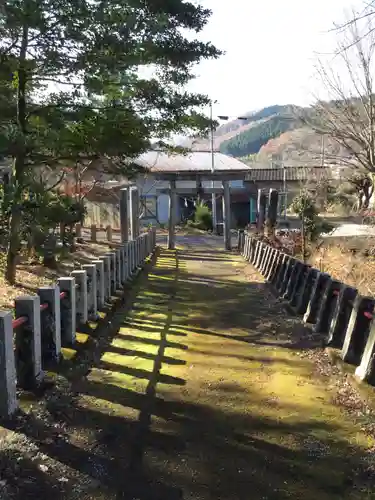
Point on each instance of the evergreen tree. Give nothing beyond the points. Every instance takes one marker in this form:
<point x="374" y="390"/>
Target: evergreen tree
<point x="72" y="85"/>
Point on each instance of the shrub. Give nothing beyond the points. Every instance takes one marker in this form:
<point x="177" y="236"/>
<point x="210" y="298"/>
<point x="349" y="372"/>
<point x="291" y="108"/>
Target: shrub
<point x="203" y="217"/>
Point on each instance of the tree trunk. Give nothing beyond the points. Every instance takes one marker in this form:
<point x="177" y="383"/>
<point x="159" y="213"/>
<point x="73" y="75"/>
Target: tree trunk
<point x="360" y="202"/>
<point x="303" y="236"/>
<point x="19" y="163"/>
<point x="13" y="247"/>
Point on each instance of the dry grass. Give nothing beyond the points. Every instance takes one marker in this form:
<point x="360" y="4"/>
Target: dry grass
<point x="31" y="274"/>
<point x="348" y="261"/>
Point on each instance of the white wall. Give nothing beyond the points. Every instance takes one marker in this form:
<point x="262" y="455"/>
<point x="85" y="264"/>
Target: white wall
<point x="149" y="187"/>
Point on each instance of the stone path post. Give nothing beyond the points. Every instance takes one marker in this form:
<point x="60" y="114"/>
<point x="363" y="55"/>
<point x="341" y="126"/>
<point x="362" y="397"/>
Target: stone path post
<point x="107" y="276"/>
<point x="124" y="214"/>
<point x="8" y="376"/>
<point x="134" y="212"/>
<point x="92" y="294"/>
<point x="172" y="216"/>
<point x="68" y="310"/>
<point x="100" y="283"/>
<point x="28" y="342"/>
<point x="50" y="322"/>
<point x="227" y="216"/>
<point x="366" y="369"/>
<point x="81" y="295"/>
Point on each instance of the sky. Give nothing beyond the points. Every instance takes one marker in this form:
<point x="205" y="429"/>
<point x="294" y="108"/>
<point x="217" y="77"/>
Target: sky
<point x="271" y="47"/>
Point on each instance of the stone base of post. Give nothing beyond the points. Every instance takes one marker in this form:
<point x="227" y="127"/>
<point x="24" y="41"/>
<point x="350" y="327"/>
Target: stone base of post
<point x="28" y="343"/>
<point x="8" y="377"/>
<point x="68" y="311"/>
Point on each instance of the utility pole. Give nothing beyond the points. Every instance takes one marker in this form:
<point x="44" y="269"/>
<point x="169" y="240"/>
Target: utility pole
<point x="322" y="151"/>
<point x="285" y="196"/>
<point x="213" y="195"/>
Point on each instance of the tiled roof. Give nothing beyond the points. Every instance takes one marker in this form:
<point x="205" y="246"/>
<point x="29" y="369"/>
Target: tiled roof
<point x="291" y="174"/>
<point x="157" y="161"/>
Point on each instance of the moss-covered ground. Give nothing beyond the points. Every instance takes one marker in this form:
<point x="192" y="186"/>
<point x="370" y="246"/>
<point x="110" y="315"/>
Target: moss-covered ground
<point x="203" y="393"/>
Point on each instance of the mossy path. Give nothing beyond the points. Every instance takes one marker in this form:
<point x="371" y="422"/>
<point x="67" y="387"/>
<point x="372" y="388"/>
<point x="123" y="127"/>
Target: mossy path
<point x="203" y="394"/>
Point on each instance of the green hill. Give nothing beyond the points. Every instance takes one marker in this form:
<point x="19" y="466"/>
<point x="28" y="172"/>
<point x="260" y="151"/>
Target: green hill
<point x="269" y="126"/>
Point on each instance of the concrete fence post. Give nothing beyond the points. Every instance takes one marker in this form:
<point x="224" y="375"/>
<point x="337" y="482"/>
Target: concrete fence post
<point x="119" y="268"/>
<point x="107" y="276"/>
<point x="265" y="258"/>
<point x="68" y="310"/>
<point x="291" y="279"/>
<point x="280" y="273"/>
<point x="315" y="297"/>
<point x="248" y="246"/>
<point x="304" y="293"/>
<point x="256" y="253"/>
<point x="8" y="374"/>
<point x="122" y="270"/>
<point x="127" y="261"/>
<point x="145" y="252"/>
<point x="28" y="342"/>
<point x="272" y="260"/>
<point x="124" y="214"/>
<point x="141" y="250"/>
<point x="358" y="329"/>
<point x="148" y="243"/>
<point x="252" y="249"/>
<point x="244" y="252"/>
<point x="341" y="315"/>
<point x="50" y="323"/>
<point x="240" y="236"/>
<point x="285" y="279"/>
<point x="261" y="250"/>
<point x="297" y="284"/>
<point x="100" y="283"/>
<point x="275" y="267"/>
<point x="254" y="256"/>
<point x="130" y="258"/>
<point x="112" y="274"/>
<point x="92" y="291"/>
<point x="134" y="251"/>
<point x="327" y="306"/>
<point x="138" y="244"/>
<point x="366" y="369"/>
<point x="93" y="233"/>
<point x="81" y="295"/>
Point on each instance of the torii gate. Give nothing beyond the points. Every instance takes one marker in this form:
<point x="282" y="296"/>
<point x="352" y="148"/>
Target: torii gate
<point x="223" y="176"/>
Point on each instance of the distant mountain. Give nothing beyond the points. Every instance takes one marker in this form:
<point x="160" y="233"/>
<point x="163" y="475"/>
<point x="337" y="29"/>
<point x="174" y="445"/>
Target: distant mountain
<point x="301" y="146"/>
<point x="243" y="137"/>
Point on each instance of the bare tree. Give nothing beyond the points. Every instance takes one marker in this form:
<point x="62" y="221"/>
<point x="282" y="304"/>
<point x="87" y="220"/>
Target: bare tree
<point x="348" y="117"/>
<point x="367" y="13"/>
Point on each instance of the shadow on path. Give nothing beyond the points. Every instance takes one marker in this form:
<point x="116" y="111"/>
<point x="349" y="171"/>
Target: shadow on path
<point x="200" y="394"/>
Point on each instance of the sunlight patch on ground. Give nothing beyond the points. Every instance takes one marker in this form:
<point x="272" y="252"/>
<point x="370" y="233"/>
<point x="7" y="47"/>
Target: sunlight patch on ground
<point x="128" y="361"/>
<point x="123" y="381"/>
<point x="82" y="338"/>
<point x="68" y="354"/>
<point x="107" y="407"/>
